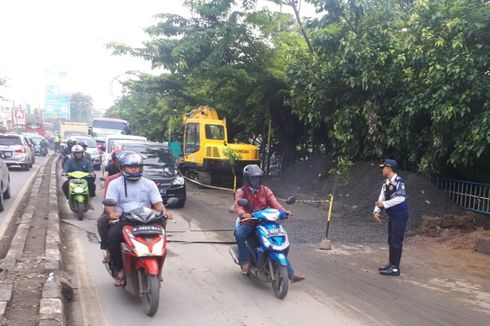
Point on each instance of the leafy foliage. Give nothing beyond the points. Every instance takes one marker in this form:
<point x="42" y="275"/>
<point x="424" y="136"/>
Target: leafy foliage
<point x="81" y="107"/>
<point x="366" y="79"/>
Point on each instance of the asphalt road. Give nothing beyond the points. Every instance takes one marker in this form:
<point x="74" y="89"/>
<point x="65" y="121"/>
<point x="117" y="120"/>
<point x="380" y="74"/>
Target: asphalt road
<point x="202" y="285"/>
<point x="18" y="183"/>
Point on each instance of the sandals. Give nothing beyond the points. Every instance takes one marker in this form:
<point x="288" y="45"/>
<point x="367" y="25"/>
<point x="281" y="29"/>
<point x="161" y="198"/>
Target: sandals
<point x="120" y="281"/>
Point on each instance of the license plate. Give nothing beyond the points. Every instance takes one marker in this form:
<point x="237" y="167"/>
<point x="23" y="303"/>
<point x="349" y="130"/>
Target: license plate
<point x="7" y="154"/>
<point x="275" y="233"/>
<point x="147" y="229"/>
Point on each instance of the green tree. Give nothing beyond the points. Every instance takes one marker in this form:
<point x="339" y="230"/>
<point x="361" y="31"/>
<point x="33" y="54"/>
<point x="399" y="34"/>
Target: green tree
<point x="407" y="79"/>
<point x="81" y="106"/>
<point x="224" y="57"/>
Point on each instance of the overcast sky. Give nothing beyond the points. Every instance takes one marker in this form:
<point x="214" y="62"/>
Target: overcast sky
<point x="67" y="35"/>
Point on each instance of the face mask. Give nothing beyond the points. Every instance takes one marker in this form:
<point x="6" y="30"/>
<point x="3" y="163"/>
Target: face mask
<point x="255" y="182"/>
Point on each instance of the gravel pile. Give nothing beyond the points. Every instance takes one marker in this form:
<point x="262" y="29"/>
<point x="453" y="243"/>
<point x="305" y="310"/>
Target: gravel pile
<point x="354" y="201"/>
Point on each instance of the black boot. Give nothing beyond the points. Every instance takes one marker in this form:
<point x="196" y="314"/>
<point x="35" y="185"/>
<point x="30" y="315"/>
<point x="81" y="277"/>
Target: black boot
<point x="390" y="261"/>
<point x="394" y="270"/>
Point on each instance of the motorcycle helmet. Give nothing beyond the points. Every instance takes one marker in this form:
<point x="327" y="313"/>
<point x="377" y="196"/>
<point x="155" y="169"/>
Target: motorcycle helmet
<point x="252" y="176"/>
<point x="71" y="142"/>
<point x="77" y="149"/>
<point x="116" y="154"/>
<point x="131" y="159"/>
<point x="83" y="144"/>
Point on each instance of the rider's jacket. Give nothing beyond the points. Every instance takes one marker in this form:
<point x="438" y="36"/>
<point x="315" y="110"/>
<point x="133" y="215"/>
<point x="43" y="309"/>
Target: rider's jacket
<point x="73" y="165"/>
<point x="262" y="199"/>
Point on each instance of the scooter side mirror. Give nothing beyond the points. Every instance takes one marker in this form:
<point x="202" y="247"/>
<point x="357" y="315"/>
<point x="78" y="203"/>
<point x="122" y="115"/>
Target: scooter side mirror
<point x="243" y="202"/>
<point x="109" y="202"/>
<point x="291" y="200"/>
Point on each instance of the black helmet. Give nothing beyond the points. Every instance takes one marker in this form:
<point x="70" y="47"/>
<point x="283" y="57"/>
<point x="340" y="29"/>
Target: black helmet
<point x="77" y="149"/>
<point x="252" y="176"/>
<point x="83" y="144"/>
<point x="128" y="159"/>
<point x="71" y="142"/>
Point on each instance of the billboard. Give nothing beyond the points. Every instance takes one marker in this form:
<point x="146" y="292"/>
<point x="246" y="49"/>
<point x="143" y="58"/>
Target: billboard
<point x="56" y="99"/>
<point x="56" y="107"/>
<point x="19" y="117"/>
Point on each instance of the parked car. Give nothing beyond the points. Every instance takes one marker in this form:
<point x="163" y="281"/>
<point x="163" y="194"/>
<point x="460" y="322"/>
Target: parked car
<point x="92" y="149"/>
<point x="161" y="167"/>
<point x="16" y="150"/>
<point x="4" y="182"/>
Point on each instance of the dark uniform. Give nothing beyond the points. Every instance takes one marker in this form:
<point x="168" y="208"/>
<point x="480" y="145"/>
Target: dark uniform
<point x="393" y="196"/>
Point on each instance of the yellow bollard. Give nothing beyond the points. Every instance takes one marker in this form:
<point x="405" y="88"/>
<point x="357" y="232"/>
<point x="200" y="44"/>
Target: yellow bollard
<point x="326" y="244"/>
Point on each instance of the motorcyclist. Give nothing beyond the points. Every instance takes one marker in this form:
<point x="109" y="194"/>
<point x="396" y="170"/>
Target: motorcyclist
<point x="260" y="197"/>
<point x="66" y="152"/>
<point x="69" y="144"/>
<point x="79" y="163"/>
<point x="44" y="144"/>
<point x="130" y="191"/>
<point x="85" y="153"/>
<point x="104" y="221"/>
<point x="113" y="167"/>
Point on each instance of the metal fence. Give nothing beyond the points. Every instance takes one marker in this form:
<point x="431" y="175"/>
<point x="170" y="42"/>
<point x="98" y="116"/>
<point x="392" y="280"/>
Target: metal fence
<point x="472" y="196"/>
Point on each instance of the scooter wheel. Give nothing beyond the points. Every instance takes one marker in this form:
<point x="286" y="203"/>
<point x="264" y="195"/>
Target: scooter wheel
<point x="80" y="211"/>
<point x="281" y="281"/>
<point x="151" y="296"/>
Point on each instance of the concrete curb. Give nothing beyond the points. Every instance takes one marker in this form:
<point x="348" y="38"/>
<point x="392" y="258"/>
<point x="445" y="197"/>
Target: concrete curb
<point x="5" y="296"/>
<point x="18" y="241"/>
<point x="53" y="241"/>
<point x="51" y="308"/>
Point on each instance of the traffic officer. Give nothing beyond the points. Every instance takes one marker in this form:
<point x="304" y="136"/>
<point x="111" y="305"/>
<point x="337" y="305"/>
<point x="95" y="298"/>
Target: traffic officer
<point x="394" y="200"/>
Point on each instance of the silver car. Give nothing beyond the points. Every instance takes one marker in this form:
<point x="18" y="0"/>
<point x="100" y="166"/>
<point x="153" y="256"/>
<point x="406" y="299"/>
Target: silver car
<point x="15" y="150"/>
<point x="4" y="182"/>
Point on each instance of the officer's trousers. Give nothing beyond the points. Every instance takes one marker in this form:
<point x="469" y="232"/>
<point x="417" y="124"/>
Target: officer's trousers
<point x="397" y="223"/>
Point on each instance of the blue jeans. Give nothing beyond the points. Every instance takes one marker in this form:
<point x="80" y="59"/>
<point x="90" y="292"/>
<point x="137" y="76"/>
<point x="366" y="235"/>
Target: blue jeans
<point x="242" y="233"/>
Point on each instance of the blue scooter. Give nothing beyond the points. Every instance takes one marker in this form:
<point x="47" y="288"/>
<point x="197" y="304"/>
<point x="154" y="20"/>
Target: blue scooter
<point x="268" y="248"/>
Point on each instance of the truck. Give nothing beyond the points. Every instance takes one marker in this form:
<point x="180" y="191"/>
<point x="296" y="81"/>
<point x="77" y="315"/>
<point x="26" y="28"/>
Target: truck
<point x="206" y="150"/>
<point x="70" y="128"/>
<point x="104" y="126"/>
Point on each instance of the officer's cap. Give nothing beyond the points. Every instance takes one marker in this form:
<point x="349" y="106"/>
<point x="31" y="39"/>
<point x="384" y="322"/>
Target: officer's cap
<point x="391" y="163"/>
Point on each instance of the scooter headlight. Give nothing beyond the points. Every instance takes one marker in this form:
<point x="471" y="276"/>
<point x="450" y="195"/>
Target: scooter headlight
<point x="140" y="248"/>
<point x="158" y="248"/>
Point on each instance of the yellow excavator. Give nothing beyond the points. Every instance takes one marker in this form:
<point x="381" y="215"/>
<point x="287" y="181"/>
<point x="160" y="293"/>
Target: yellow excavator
<point x="207" y="152"/>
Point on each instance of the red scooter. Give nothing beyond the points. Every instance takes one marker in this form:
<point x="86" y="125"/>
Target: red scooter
<point x="143" y="250"/>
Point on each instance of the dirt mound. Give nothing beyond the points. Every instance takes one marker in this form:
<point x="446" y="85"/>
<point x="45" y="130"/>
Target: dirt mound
<point x="438" y="226"/>
<point x="465" y="239"/>
<point x="354" y="199"/>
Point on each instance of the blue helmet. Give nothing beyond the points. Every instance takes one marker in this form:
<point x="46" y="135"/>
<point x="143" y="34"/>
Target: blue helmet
<point x="131" y="159"/>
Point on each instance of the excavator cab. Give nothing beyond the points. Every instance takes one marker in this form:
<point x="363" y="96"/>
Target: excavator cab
<point x="206" y="145"/>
